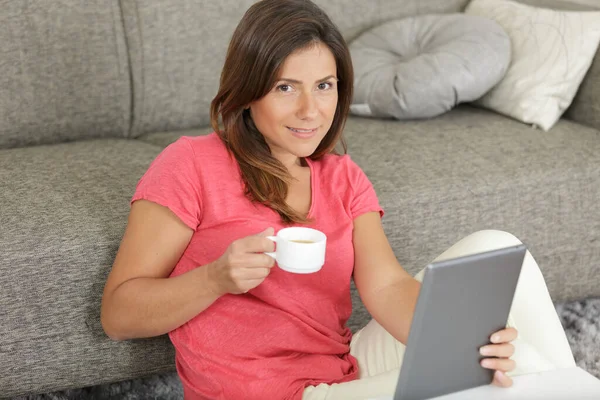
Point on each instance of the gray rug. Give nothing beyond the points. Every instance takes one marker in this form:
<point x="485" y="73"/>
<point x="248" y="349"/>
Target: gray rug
<point x="580" y="319"/>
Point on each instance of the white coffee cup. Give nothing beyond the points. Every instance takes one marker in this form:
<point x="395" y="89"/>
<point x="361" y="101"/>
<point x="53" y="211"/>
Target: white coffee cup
<point x="299" y="250"/>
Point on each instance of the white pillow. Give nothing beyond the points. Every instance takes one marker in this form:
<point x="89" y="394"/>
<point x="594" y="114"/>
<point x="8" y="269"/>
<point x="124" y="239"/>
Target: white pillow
<point x="551" y="53"/>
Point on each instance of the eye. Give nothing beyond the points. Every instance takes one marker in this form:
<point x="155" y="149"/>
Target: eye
<point x="284" y="88"/>
<point x="325" y="85"/>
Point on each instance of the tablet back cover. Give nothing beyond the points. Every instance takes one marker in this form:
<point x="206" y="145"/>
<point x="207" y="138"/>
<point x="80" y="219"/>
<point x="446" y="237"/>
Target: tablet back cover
<point x="461" y="303"/>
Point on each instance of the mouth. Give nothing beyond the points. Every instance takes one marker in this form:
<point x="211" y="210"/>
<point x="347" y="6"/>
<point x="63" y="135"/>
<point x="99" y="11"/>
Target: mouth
<point x="303" y="133"/>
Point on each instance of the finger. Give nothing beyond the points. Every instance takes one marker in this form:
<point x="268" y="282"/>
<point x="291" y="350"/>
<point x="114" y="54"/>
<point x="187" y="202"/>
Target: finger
<point x="251" y="260"/>
<point x="500" y="364"/>
<point x="259" y="244"/>
<point x="502" y="380"/>
<point x="259" y="261"/>
<point x="504" y="335"/>
<point x="254" y="244"/>
<point x="267" y="232"/>
<point x="504" y="350"/>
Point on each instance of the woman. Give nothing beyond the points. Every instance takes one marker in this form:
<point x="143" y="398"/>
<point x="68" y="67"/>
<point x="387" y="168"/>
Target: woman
<point x="191" y="262"/>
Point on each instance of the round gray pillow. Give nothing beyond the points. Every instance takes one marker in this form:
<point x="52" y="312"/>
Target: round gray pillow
<point x="422" y="66"/>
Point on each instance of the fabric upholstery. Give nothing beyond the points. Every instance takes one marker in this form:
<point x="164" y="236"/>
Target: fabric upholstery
<point x="470" y="169"/>
<point x="568" y="5"/>
<point x="423" y="66"/>
<point x="178" y="49"/>
<point x="64" y="72"/>
<point x="163" y="139"/>
<point x="64" y="210"/>
<point x="586" y="104"/>
<point x="355" y="16"/>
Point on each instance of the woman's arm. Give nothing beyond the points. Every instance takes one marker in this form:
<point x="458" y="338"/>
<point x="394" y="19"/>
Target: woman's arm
<point x="388" y="292"/>
<point x="139" y="300"/>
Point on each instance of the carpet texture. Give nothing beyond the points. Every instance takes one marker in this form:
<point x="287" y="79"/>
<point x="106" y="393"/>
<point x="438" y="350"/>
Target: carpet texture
<point x="581" y="320"/>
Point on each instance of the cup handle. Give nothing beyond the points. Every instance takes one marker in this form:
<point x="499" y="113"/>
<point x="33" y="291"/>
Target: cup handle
<point x="272" y="254"/>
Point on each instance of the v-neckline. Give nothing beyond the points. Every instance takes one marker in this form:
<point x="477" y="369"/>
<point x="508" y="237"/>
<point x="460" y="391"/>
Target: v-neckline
<point x="313" y="185"/>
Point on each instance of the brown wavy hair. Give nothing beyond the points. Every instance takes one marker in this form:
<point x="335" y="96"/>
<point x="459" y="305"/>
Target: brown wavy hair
<point x="268" y="33"/>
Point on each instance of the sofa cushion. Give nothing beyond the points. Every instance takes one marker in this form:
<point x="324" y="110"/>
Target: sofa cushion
<point x="64" y="72"/>
<point x="163" y="139"/>
<point x="439" y="180"/>
<point x="551" y="53"/>
<point x="64" y="210"/>
<point x="423" y="66"/>
<point x="178" y="49"/>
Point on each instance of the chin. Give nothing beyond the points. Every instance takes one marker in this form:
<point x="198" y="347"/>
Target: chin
<point x="304" y="151"/>
<point x="304" y="154"/>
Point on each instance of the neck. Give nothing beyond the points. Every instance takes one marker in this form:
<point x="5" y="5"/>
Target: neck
<point x="289" y="161"/>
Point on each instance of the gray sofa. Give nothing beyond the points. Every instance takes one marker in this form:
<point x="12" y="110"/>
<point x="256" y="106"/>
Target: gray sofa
<point x="91" y="92"/>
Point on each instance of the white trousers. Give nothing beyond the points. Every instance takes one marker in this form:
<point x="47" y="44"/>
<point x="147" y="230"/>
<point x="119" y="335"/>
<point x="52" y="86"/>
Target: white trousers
<point x="541" y="344"/>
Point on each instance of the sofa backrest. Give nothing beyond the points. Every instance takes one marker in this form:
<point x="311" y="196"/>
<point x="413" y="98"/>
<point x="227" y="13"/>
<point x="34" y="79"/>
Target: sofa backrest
<point x="64" y="73"/>
<point x="115" y="68"/>
<point x="178" y="49"/>
<point x="585" y="108"/>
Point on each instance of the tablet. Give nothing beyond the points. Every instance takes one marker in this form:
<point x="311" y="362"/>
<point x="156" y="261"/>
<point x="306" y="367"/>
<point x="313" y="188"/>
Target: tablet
<point x="462" y="301"/>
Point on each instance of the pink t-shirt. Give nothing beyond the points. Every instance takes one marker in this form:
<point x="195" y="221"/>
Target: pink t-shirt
<point x="290" y="331"/>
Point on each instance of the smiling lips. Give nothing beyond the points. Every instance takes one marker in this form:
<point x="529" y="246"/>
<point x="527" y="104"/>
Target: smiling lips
<point x="303" y="133"/>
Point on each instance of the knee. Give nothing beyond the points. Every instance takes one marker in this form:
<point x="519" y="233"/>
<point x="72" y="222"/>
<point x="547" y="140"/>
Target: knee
<point x="500" y="238"/>
<point x="479" y="242"/>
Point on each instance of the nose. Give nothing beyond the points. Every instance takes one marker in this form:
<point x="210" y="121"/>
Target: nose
<point x="307" y="106"/>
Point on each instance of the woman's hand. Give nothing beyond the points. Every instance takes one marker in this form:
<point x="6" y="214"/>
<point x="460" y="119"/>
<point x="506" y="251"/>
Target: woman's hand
<point x="243" y="266"/>
<point x="503" y="350"/>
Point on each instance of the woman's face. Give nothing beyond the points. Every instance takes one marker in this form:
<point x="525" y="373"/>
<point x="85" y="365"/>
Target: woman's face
<point x="298" y="111"/>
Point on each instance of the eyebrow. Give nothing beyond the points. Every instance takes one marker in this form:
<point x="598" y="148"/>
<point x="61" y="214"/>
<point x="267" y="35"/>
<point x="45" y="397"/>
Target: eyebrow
<point x="300" y="82"/>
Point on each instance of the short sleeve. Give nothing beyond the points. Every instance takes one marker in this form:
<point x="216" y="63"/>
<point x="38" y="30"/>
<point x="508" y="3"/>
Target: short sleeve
<point x="172" y="180"/>
<point x="363" y="197"/>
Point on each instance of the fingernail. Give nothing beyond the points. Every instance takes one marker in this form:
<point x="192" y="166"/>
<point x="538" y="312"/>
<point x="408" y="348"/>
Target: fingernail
<point x="495" y="338"/>
<point x="485" y="351"/>
<point x="486" y="363"/>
